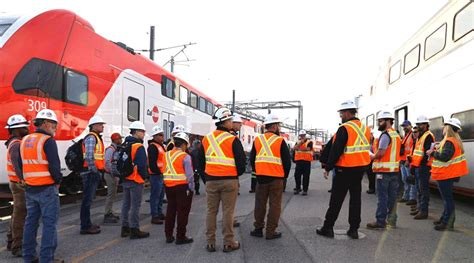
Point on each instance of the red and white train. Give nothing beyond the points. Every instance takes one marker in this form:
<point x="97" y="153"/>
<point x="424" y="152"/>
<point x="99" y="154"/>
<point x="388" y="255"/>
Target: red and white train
<point x="56" y="60"/>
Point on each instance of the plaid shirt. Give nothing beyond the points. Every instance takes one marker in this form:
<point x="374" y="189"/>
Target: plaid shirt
<point x="89" y="143"/>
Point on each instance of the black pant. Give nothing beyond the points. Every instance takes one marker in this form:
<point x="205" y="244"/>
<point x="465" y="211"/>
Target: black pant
<point x="197" y="175"/>
<point x="371" y="177"/>
<point x="343" y="182"/>
<point x="253" y="182"/>
<point x="303" y="168"/>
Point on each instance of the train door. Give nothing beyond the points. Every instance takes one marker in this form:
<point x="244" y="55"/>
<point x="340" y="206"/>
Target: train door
<point x="401" y="114"/>
<point x="132" y="103"/>
<point x="168" y="123"/>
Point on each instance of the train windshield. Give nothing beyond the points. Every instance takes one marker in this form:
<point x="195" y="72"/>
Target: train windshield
<point x="5" y="23"/>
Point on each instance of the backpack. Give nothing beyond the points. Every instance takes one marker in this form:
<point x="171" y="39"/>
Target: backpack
<point x="74" y="156"/>
<point x="124" y="162"/>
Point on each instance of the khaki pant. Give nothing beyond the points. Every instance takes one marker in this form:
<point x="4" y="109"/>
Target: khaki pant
<point x="17" y="221"/>
<point x="272" y="193"/>
<point x="225" y="191"/>
<point x="112" y="184"/>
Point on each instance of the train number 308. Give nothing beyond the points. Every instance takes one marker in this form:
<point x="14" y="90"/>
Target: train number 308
<point x="36" y="105"/>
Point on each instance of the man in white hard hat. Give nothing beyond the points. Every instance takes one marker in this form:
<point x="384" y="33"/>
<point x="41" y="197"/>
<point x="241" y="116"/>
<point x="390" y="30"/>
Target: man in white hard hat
<point x="271" y="161"/>
<point x="94" y="165"/>
<point x="421" y="163"/>
<point x="350" y="157"/>
<point x="386" y="166"/>
<point x="223" y="159"/>
<point x="176" y="129"/>
<point x="42" y="178"/>
<point x="303" y="156"/>
<point x="236" y="125"/>
<point x="17" y="127"/>
<point x="133" y="183"/>
<point x="111" y="177"/>
<point x="156" y="162"/>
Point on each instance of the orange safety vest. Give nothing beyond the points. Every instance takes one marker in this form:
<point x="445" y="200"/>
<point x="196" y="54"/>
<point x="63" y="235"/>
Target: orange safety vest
<point x="356" y="152"/>
<point x="219" y="155"/>
<point x="160" y="162"/>
<point x="99" y="152"/>
<point x="10" y="169"/>
<point x="407" y="144"/>
<point x="390" y="162"/>
<point x="175" y="173"/>
<point x="303" y="154"/>
<point x="35" y="163"/>
<point x="420" y="150"/>
<point x="135" y="176"/>
<point x="455" y="167"/>
<point x="268" y="159"/>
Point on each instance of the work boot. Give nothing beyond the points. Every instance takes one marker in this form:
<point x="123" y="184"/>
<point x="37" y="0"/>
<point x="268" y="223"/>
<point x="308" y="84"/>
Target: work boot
<point x="161" y="216"/>
<point x="375" y="226"/>
<point x="353" y="233"/>
<point x="325" y="232"/>
<point x="411" y="202"/>
<point x="110" y="219"/>
<point x="443" y="226"/>
<point x="156" y="220"/>
<point x="135" y="233"/>
<point x="9" y="245"/>
<point x="402" y="200"/>
<point x="252" y="191"/>
<point x="414" y="212"/>
<point x="17" y="252"/>
<point x="371" y="191"/>
<point x="297" y="191"/>
<point x="437" y="222"/>
<point x="197" y="193"/>
<point x="186" y="240"/>
<point x="91" y="231"/>
<point x="257" y="232"/>
<point x="305" y="193"/>
<point x="275" y="235"/>
<point x="125" y="231"/>
<point x="421" y="216"/>
<point x="170" y="239"/>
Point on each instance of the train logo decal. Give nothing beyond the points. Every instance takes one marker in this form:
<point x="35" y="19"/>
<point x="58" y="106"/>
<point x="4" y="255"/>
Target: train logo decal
<point x="155" y="114"/>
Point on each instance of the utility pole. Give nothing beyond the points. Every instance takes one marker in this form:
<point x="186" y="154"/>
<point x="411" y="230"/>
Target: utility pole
<point x="172" y="64"/>
<point x="152" y="42"/>
<point x="233" y="100"/>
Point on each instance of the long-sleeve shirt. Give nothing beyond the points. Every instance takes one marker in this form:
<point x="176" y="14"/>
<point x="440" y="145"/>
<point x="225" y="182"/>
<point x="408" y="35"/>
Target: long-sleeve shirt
<point x="188" y="168"/>
<point x="15" y="156"/>
<point x="285" y="159"/>
<point x="426" y="146"/>
<point x="140" y="157"/>
<point x="111" y="159"/>
<point x="446" y="154"/>
<point x="239" y="158"/>
<point x="153" y="154"/>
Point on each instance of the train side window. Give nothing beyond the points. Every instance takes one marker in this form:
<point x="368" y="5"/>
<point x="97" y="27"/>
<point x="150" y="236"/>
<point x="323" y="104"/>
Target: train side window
<point x="4" y="28"/>
<point x="400" y="116"/>
<point x="467" y="122"/>
<point x="395" y="71"/>
<point x="435" y="42"/>
<point x="371" y="121"/>
<point x="133" y="109"/>
<point x="412" y="59"/>
<point x="436" y="127"/>
<point x="193" y="100"/>
<point x="463" y="21"/>
<point x="76" y="87"/>
<point x="183" y="95"/>
<point x="364" y="121"/>
<point x="40" y="78"/>
<point x="210" y="108"/>
<point x="167" y="87"/>
<point x="202" y="104"/>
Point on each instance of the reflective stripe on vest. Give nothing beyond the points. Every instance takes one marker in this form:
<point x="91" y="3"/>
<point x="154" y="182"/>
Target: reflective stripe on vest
<point x="390" y="162"/>
<point x="99" y="152"/>
<point x="265" y="154"/>
<point x="303" y="155"/>
<point x="419" y="151"/>
<point x="268" y="159"/>
<point x="219" y="154"/>
<point x="356" y="151"/>
<point x="456" y="167"/>
<point x="215" y="148"/>
<point x="135" y="176"/>
<point x="35" y="163"/>
<point x="160" y="161"/>
<point x="175" y="173"/>
<point x="12" y="176"/>
<point x="361" y="144"/>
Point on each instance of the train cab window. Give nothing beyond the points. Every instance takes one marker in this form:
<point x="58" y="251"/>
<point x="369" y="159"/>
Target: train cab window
<point x="167" y="87"/>
<point x="133" y="109"/>
<point x="40" y="78"/>
<point x="467" y="122"/>
<point x="395" y="71"/>
<point x="183" y="95"/>
<point x="202" y="104"/>
<point x="364" y="121"/>
<point x="436" y="127"/>
<point x="463" y="21"/>
<point x="4" y="28"/>
<point x="412" y="59"/>
<point x="193" y="100"/>
<point x="76" y="87"/>
<point x="210" y="108"/>
<point x="371" y="121"/>
<point x="435" y="42"/>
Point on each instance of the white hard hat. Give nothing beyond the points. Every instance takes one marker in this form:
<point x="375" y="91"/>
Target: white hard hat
<point x="422" y="119"/>
<point x="347" y="105"/>
<point x="237" y="118"/>
<point x="454" y="122"/>
<point x="302" y="132"/>
<point x="96" y="120"/>
<point x="271" y="118"/>
<point x="137" y="125"/>
<point x="46" y="114"/>
<point x="222" y="114"/>
<point x="385" y="115"/>
<point x="17" y="121"/>
<point x="182" y="136"/>
<point x="156" y="130"/>
<point x="178" y="128"/>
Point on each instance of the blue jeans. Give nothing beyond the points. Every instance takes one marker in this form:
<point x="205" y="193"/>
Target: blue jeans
<point x="446" y="190"/>
<point x="132" y="200"/>
<point x="423" y="174"/>
<point x="157" y="194"/>
<point x="387" y="192"/>
<point x="42" y="205"/>
<point x="409" y="189"/>
<point x="89" y="182"/>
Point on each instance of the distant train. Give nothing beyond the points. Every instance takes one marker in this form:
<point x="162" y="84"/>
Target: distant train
<point x="431" y="75"/>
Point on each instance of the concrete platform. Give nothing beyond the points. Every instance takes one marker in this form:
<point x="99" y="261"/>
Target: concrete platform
<point x="411" y="241"/>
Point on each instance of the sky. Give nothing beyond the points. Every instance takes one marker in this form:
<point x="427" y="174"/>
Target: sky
<point x="319" y="52"/>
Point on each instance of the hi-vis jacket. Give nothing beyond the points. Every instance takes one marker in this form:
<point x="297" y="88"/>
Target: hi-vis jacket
<point x="419" y="151"/>
<point x="356" y="151"/>
<point x="268" y="160"/>
<point x="99" y="152"/>
<point x="455" y="167"/>
<point x="302" y="153"/>
<point x="390" y="161"/>
<point x="175" y="173"/>
<point x="219" y="155"/>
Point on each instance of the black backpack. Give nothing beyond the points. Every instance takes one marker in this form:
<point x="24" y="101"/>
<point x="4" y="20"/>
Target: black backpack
<point x="74" y="156"/>
<point x="124" y="163"/>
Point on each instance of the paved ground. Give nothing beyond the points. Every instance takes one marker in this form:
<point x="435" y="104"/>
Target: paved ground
<point x="412" y="241"/>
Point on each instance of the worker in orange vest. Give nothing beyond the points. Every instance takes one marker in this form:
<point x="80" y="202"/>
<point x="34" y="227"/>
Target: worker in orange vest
<point x="270" y="159"/>
<point x="303" y="157"/>
<point x="449" y="166"/>
<point x="179" y="182"/>
<point x="386" y="166"/>
<point x="223" y="159"/>
<point x="409" y="191"/>
<point x="42" y="175"/>
<point x="350" y="157"/>
<point x="17" y="127"/>
<point x="156" y="163"/>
